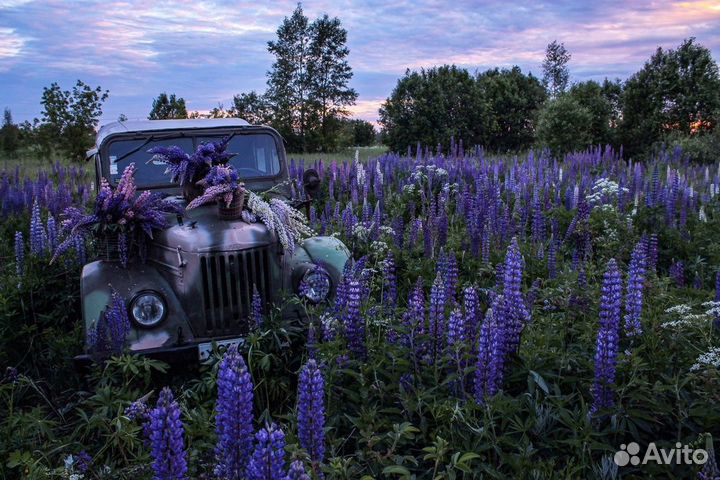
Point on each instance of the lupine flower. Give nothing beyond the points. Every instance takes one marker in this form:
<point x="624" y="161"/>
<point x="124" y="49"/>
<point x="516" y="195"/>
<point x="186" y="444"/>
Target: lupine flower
<point x="38" y="237"/>
<point x="354" y="323"/>
<point x="268" y="458"/>
<point x="233" y="416"/>
<point x="634" y="295"/>
<point x="83" y="461"/>
<point x="257" y="308"/>
<point x="472" y="313"/>
<point x="677" y="273"/>
<point x="112" y="327"/>
<point x="607" y="339"/>
<point x="389" y="295"/>
<point x="166" y="439"/>
<point x="19" y="254"/>
<point x="311" y="411"/>
<point x="437" y="313"/>
<point x="653" y="252"/>
<point x="297" y="471"/>
<point x="52" y="234"/>
<point x="516" y="310"/>
<point x="456" y="334"/>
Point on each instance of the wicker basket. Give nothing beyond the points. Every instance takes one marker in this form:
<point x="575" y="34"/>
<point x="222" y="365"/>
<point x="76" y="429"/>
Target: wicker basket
<point x="234" y="211"/>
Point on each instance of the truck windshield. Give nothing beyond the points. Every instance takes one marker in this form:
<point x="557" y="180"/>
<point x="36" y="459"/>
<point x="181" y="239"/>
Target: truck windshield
<point x="256" y="156"/>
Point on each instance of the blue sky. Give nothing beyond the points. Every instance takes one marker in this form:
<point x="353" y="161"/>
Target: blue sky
<point x="208" y="51"/>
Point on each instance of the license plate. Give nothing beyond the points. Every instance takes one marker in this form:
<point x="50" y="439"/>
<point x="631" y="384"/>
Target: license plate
<point x="205" y="349"/>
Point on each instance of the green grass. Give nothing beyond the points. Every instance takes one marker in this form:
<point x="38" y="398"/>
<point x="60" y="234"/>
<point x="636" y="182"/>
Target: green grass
<point x="364" y="154"/>
<point x="30" y="162"/>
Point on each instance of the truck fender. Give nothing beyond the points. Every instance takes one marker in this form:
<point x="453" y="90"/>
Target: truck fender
<point x="97" y="283"/>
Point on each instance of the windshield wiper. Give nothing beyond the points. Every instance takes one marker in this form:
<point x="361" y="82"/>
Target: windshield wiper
<point x="140" y="147"/>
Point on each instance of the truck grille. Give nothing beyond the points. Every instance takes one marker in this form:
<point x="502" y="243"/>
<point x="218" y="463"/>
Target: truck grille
<point x="227" y="288"/>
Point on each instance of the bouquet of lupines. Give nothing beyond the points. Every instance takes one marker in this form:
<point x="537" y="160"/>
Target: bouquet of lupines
<point x="288" y="224"/>
<point x="118" y="211"/>
<point x="221" y="183"/>
<point x="188" y="169"/>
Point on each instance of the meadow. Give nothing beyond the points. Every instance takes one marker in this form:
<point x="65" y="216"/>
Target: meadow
<point x="505" y="317"/>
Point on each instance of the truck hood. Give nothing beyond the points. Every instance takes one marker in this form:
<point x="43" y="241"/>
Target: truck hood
<point x="202" y="231"/>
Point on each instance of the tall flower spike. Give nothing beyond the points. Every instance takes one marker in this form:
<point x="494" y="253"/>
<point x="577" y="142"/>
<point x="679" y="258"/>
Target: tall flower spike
<point x="516" y="310"/>
<point x="233" y="416"/>
<point x="311" y="412"/>
<point x="635" y="285"/>
<point x="354" y="323"/>
<point x="167" y="439"/>
<point x="437" y="313"/>
<point x="268" y="459"/>
<point x="607" y="339"/>
<point x="484" y="357"/>
<point x="38" y="237"/>
<point x="257" y="308"/>
<point x="19" y="254"/>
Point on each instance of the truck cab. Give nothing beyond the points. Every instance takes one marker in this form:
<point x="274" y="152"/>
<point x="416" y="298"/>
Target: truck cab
<point x="195" y="288"/>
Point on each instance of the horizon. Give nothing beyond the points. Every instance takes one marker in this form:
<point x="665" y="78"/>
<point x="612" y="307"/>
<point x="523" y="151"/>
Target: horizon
<point x="175" y="48"/>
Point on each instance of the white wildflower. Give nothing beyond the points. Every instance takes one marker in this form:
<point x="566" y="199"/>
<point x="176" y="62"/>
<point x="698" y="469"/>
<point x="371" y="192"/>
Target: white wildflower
<point x="681" y="309"/>
<point x="360" y="232"/>
<point x="379" y="248"/>
<point x="711" y="358"/>
<point x="360" y="170"/>
<point x="379" y="173"/>
<point x="387" y="230"/>
<point x="702" y="216"/>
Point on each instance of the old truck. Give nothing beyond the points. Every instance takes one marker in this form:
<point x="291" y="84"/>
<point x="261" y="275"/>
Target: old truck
<point x="194" y="291"/>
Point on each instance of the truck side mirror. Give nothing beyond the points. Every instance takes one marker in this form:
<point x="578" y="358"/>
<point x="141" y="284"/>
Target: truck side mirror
<point x="311" y="182"/>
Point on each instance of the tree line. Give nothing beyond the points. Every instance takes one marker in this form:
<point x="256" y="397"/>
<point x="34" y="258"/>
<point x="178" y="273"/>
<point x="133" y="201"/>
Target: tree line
<point x="673" y="99"/>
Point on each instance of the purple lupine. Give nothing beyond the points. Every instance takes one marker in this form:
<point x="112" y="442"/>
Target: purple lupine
<point x="38" y="237"/>
<point x="552" y="259"/>
<point x="450" y="276"/>
<point x="112" y="327"/>
<point x="268" y="458"/>
<point x="233" y="416"/>
<point x="652" y="252"/>
<point x="297" y="471"/>
<point x="257" y="308"/>
<point x="607" y="339"/>
<point x="52" y="234"/>
<point x="436" y="317"/>
<point x="471" y="304"/>
<point x="484" y="357"/>
<point x="83" y="461"/>
<point x="19" y="254"/>
<point x="717" y="286"/>
<point x="635" y="285"/>
<point x="677" y="273"/>
<point x="389" y="294"/>
<point x="311" y="412"/>
<point x="456" y="331"/>
<point x="517" y="314"/>
<point x="354" y="323"/>
<point x="166" y="439"/>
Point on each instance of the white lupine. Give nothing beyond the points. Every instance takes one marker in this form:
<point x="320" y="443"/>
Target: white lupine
<point x="379" y="173"/>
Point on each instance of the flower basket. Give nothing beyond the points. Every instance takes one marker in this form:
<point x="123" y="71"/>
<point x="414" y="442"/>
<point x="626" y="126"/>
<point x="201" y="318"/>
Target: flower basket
<point x="234" y="210"/>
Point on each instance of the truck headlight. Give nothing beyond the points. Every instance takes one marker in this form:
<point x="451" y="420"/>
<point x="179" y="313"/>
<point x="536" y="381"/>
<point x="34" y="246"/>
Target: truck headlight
<point x="148" y="309"/>
<point x="315" y="285"/>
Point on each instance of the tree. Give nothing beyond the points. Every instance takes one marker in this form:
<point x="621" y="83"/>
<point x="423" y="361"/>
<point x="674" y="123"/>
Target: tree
<point x="513" y="100"/>
<point x="676" y="91"/>
<point x="329" y="74"/>
<point x="69" y="118"/>
<point x="168" y="107"/>
<point x="308" y="83"/>
<point x="602" y="103"/>
<point x="363" y="133"/>
<point x="432" y="107"/>
<point x="9" y="134"/>
<point x="564" y="125"/>
<point x="288" y="83"/>
<point x="252" y="107"/>
<point x="555" y="70"/>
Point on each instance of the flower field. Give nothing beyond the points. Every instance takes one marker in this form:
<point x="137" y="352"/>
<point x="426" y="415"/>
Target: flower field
<point x="505" y="317"/>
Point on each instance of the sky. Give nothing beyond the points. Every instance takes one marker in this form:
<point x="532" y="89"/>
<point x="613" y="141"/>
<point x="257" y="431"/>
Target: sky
<point x="208" y="51"/>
